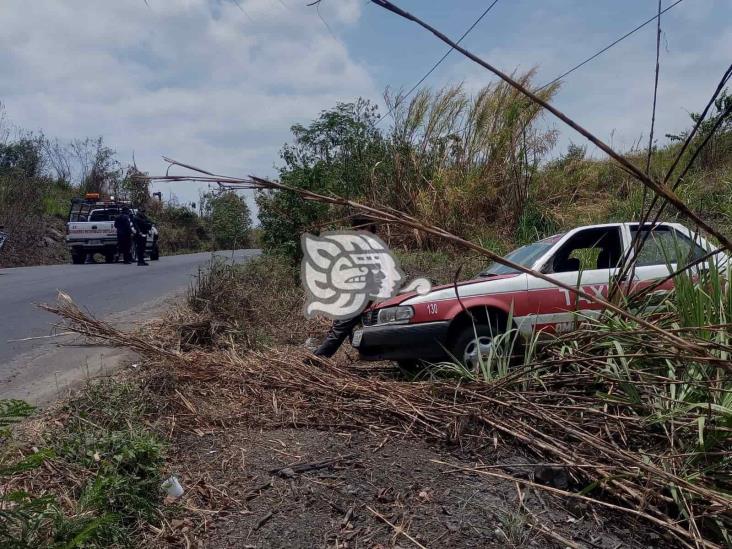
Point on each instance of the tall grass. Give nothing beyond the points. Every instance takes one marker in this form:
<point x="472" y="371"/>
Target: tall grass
<point x="684" y="401"/>
<point x="507" y="351"/>
<point x="676" y="403"/>
<point x="463" y="161"/>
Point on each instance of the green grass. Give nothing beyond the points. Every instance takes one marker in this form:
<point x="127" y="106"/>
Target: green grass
<point x="117" y="464"/>
<point x="57" y="200"/>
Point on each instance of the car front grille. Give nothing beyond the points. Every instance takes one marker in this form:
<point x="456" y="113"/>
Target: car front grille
<point x="369" y="318"/>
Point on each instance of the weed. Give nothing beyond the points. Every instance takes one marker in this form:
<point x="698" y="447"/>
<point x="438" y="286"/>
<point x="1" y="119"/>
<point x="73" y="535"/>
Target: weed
<point x="117" y="469"/>
<point x="438" y="266"/>
<point x="515" y="527"/>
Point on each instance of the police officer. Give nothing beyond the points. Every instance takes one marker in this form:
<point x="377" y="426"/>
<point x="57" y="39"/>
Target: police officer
<point x="142" y="225"/>
<point x="123" y="224"/>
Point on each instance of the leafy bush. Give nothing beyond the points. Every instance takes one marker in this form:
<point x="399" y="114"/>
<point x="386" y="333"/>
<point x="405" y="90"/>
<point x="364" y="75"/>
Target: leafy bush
<point x="228" y="218"/>
<point x="336" y="153"/>
<point x="181" y="229"/>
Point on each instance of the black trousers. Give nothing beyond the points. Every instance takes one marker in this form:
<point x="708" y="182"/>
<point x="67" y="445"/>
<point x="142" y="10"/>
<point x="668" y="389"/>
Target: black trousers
<point x="124" y="245"/>
<point x="337" y="334"/>
<point x="140" y="241"/>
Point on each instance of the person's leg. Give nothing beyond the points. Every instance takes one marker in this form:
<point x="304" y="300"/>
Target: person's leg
<point x="140" y="242"/>
<point x="127" y="255"/>
<point x="124" y="248"/>
<point x="335" y="337"/>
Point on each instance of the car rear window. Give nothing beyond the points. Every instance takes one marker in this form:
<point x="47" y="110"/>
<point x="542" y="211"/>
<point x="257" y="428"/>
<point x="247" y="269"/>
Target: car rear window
<point x="664" y="246"/>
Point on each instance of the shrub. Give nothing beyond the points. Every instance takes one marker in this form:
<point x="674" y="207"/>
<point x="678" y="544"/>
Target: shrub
<point x="248" y="303"/>
<point x="181" y="229"/>
<point x="228" y="219"/>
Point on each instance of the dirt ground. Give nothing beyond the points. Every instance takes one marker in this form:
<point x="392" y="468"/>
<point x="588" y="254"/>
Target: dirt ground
<point x="371" y="490"/>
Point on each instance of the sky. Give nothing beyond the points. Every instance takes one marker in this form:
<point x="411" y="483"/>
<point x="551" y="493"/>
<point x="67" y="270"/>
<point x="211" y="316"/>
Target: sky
<point x="219" y="83"/>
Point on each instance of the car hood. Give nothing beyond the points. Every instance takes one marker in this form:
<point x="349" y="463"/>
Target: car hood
<point x="397" y="299"/>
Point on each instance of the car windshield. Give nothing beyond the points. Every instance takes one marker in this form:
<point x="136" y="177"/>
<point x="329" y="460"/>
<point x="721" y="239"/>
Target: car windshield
<point x="525" y="256"/>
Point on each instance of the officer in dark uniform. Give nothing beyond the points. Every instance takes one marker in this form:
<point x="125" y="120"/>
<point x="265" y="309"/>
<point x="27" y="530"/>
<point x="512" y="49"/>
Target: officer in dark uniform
<point x="142" y="226"/>
<point x="123" y="224"/>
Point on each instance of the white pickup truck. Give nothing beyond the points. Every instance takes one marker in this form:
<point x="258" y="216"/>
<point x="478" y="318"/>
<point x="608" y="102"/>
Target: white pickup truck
<point x="90" y="230"/>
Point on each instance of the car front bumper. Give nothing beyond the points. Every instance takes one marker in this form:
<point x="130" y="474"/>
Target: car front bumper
<point x="425" y="341"/>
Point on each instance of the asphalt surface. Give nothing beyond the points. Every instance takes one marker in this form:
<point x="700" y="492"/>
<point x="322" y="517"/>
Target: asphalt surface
<point x="36" y="368"/>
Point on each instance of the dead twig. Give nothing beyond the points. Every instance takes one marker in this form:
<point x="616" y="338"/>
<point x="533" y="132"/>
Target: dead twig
<point x="397" y="529"/>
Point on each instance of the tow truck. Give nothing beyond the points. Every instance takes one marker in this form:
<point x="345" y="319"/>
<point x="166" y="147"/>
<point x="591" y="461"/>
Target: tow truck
<point x="90" y="229"/>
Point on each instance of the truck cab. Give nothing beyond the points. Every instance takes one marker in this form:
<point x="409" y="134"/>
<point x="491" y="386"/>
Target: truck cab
<point x="90" y="229"/>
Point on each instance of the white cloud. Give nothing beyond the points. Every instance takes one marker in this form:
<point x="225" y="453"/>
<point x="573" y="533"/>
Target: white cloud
<point x="206" y="81"/>
<point x="219" y="84"/>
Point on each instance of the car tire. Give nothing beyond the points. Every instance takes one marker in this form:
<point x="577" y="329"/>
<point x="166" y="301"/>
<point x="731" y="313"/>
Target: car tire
<point x="155" y="253"/>
<point x="78" y="259"/>
<point x="465" y="347"/>
<point x="110" y="258"/>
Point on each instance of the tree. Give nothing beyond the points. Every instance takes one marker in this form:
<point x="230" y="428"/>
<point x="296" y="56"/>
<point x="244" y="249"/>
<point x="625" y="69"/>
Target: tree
<point x="723" y="108"/>
<point x="334" y="154"/>
<point x="99" y="169"/>
<point x="22" y="158"/>
<point x="227" y="215"/>
<point x="135" y="187"/>
<point x="719" y="145"/>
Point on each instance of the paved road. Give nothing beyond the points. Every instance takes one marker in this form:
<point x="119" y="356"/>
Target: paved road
<point x="36" y="369"/>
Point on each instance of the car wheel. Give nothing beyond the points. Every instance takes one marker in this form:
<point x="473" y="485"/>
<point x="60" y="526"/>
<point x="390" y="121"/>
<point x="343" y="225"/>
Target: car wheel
<point x="110" y="258"/>
<point x="155" y="253"/>
<point x="473" y="344"/>
<point x="78" y="259"/>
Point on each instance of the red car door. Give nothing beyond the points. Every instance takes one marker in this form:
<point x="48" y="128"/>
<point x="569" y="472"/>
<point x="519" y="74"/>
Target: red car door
<point x="585" y="257"/>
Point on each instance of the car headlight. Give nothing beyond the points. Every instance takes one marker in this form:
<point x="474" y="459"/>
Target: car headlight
<point x="402" y="313"/>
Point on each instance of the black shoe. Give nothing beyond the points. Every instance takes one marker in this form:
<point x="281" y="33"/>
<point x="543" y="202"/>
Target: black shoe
<point x="127" y="263"/>
<point x="143" y="264"/>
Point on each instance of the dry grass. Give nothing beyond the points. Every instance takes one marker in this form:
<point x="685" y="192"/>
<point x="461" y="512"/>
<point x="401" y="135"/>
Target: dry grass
<point x="623" y="460"/>
<point x="245" y="305"/>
